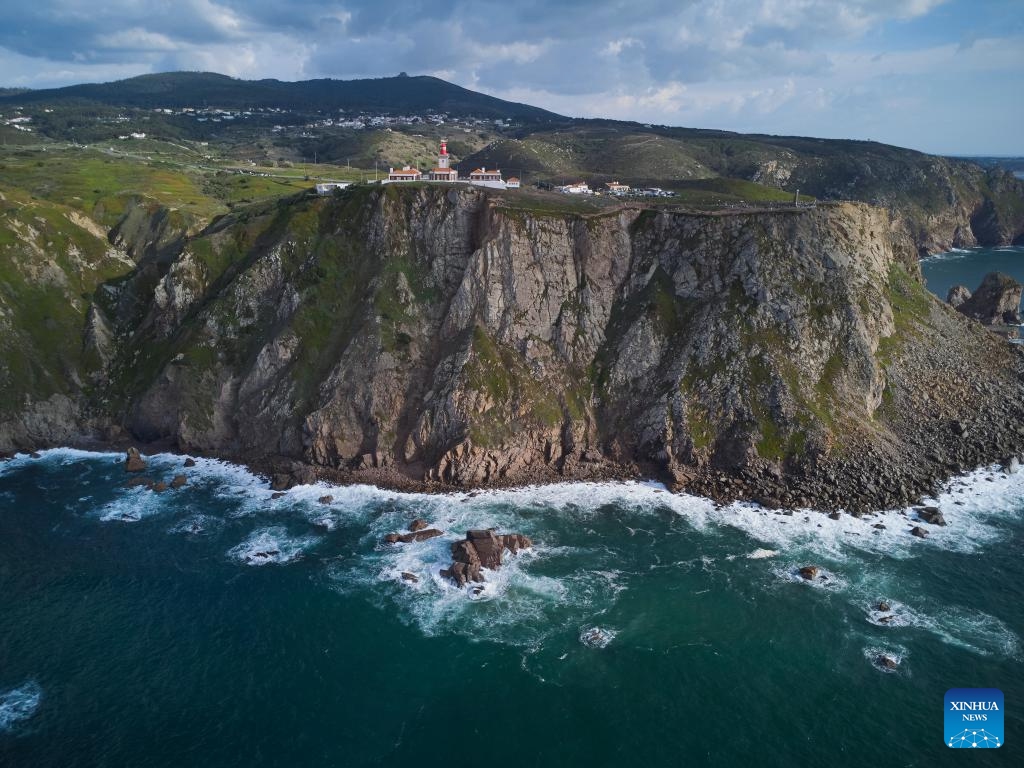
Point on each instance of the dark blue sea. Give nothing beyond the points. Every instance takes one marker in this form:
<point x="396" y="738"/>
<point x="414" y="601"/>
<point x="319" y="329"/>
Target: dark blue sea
<point x="215" y="626"/>
<point x="969" y="266"/>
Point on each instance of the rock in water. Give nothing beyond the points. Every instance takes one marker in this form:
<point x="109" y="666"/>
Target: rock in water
<point x="957" y="295"/>
<point x="488" y="546"/>
<point x="417" y="525"/>
<point x="884" y="606"/>
<point x="407" y="538"/>
<point x="918" y="531"/>
<point x="133" y="461"/>
<point x="481" y="549"/>
<point x="996" y="302"/>
<point x="809" y="572"/>
<point x="885" y="661"/>
<point x="179" y="481"/>
<point x="190" y="462"/>
<point x="328" y="499"/>
<point x="931" y="515"/>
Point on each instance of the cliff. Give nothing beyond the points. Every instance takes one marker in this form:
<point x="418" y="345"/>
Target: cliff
<point x="439" y="337"/>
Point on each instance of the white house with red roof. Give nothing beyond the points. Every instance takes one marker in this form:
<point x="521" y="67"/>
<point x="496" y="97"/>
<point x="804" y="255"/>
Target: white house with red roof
<point x="404" y="174"/>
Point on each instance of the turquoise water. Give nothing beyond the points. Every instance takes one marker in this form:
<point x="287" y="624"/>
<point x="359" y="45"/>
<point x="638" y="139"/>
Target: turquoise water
<point x="969" y="266"/>
<point x="136" y="630"/>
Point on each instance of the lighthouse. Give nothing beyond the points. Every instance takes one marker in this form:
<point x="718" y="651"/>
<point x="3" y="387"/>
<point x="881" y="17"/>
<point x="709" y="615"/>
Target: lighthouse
<point x="443" y="171"/>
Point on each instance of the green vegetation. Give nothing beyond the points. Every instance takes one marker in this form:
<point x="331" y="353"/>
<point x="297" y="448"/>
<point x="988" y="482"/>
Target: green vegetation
<point x="910" y="303"/>
<point x="503" y="376"/>
<point x="50" y="267"/>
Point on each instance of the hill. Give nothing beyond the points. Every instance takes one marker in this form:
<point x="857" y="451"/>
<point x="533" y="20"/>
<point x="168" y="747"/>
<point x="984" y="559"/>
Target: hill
<point x="939" y="202"/>
<point x="198" y="89"/>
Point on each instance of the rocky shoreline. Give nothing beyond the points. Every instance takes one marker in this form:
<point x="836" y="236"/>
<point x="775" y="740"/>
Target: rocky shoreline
<point x="434" y="341"/>
<point x="863" y="486"/>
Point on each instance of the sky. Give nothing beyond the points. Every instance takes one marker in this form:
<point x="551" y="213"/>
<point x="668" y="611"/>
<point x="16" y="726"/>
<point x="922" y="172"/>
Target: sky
<point x="943" y="76"/>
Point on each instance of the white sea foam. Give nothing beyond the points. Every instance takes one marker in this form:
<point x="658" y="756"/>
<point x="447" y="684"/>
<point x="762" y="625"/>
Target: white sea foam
<point x="825" y="580"/>
<point x="19" y="704"/>
<point x="521" y="605"/>
<point x="133" y="505"/>
<point x="875" y="654"/>
<point x="272" y="545"/>
<point x="597" y="637"/>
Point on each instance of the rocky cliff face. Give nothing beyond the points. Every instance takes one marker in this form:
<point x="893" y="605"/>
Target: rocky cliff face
<point x="444" y="336"/>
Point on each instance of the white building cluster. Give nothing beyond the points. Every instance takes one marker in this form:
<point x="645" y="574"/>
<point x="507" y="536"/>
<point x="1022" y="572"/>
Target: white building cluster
<point x="443" y="172"/>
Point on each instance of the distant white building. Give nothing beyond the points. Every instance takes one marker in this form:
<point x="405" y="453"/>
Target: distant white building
<point x="406" y="173"/>
<point x="327" y="187"/>
<point x="512" y="182"/>
<point x="483" y="174"/>
<point x="579" y="188"/>
<point x="615" y="188"/>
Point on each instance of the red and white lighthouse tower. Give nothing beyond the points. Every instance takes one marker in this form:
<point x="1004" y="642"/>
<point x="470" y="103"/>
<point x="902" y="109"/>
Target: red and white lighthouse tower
<point x="444" y="170"/>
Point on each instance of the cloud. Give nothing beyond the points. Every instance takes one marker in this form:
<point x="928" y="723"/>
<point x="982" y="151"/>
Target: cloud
<point x="739" y="64"/>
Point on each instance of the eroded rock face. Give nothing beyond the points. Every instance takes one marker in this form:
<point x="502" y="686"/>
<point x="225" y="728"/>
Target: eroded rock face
<point x="133" y="461"/>
<point x="957" y="295"/>
<point x="996" y="302"/>
<point x="441" y="337"/>
<point x="481" y="549"/>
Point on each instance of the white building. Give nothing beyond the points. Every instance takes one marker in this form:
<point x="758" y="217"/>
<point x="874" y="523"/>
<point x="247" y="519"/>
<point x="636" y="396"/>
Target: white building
<point x="483" y="174"/>
<point x="615" y="188"/>
<point x="579" y="188"/>
<point x="406" y="173"/>
<point x="512" y="182"/>
<point x="327" y="187"/>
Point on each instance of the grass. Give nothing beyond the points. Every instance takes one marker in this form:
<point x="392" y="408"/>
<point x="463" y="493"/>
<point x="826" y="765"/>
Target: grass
<point x="50" y="267"/>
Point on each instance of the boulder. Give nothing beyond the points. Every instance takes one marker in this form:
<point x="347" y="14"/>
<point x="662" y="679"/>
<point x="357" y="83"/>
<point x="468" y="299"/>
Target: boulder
<point x="408" y="538"/>
<point x="996" y="302"/>
<point x="133" y="461"/>
<point x="418" y="524"/>
<point x="957" y="295"/>
<point x="160" y="487"/>
<point x="190" y="462"/>
<point x="931" y="515"/>
<point x="488" y="546"/>
<point x="328" y="499"/>
<point x="406" y="576"/>
<point x="834" y="516"/>
<point x="809" y="572"/>
<point x="277" y="495"/>
<point x="516" y="541"/>
<point x="885" y="661"/>
<point x="136" y="482"/>
<point x="918" y="531"/>
<point x="481" y="549"/>
<point x="179" y="481"/>
<point x="884" y="606"/>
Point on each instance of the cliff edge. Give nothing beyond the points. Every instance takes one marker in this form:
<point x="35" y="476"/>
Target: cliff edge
<point x="433" y="337"/>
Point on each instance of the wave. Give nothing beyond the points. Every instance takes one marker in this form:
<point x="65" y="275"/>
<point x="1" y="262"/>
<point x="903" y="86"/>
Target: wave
<point x="19" y="704"/>
<point x="272" y="545"/>
<point x="577" y="570"/>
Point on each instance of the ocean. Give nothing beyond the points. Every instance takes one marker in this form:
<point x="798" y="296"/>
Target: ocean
<point x="969" y="265"/>
<point x="643" y="628"/>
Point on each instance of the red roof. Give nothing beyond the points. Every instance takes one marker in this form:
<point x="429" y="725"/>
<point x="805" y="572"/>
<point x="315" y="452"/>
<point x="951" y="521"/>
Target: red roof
<point x="412" y="172"/>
